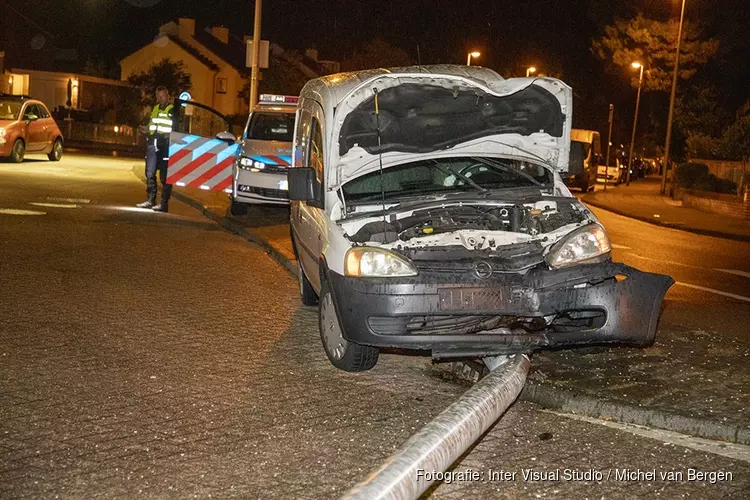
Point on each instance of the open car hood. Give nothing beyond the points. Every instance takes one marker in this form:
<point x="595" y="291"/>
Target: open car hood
<point x="428" y="115"/>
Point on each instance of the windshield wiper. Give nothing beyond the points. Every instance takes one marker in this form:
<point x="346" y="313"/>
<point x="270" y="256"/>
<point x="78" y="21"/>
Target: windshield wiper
<point x="505" y="168"/>
<point x="461" y="176"/>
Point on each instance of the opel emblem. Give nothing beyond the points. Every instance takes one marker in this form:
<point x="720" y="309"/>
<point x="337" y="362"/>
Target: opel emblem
<point x="483" y="269"/>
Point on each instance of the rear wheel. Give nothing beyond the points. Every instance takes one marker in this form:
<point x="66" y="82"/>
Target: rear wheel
<point x="342" y="354"/>
<point x="57" y="151"/>
<point x="237" y="208"/>
<point x="18" y="151"/>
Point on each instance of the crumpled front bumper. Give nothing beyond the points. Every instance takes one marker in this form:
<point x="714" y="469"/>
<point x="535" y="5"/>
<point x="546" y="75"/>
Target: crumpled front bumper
<point x="373" y="311"/>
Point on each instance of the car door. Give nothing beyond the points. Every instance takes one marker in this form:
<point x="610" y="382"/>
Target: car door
<point x="201" y="149"/>
<point x="34" y="128"/>
<point x="48" y="126"/>
<point x="312" y="230"/>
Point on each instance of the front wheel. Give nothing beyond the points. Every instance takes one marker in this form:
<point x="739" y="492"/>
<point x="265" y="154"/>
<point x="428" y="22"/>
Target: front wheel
<point x="18" y="151"/>
<point x="342" y="354"/>
<point x="57" y="151"/>
<point x="237" y="208"/>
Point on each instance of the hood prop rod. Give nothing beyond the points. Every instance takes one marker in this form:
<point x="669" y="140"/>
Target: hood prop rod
<point x="380" y="160"/>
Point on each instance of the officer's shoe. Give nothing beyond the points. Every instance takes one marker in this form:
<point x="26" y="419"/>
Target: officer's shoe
<point x="161" y="207"/>
<point x="145" y="204"/>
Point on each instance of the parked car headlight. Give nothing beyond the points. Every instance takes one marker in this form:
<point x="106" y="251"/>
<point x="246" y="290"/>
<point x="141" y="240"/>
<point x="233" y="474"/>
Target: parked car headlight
<point x="246" y="163"/>
<point x="588" y="243"/>
<point x="3" y="133"/>
<point x="377" y="262"/>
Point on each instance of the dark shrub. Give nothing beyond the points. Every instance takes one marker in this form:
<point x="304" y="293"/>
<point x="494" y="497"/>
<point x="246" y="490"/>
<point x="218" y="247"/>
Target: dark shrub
<point x="690" y="174"/>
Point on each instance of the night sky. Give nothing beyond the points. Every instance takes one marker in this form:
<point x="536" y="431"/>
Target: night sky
<point x="511" y="34"/>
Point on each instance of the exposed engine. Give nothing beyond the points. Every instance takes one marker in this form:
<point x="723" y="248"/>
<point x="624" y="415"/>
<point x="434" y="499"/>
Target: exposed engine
<point x="531" y="218"/>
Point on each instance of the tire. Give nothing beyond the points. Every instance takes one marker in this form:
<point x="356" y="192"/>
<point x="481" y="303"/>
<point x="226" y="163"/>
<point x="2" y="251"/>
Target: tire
<point x="237" y="208"/>
<point x="342" y="354"/>
<point x="18" y="151"/>
<point x="57" y="151"/>
<point x="306" y="291"/>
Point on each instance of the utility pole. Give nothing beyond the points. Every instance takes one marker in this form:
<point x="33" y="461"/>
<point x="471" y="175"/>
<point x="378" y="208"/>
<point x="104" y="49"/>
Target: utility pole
<point x="256" y="55"/>
<point x="635" y="120"/>
<point x="609" y="144"/>
<point x="671" y="103"/>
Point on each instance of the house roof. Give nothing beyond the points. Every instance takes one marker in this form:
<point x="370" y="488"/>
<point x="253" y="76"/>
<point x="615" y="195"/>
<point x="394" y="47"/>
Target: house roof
<point x="193" y="52"/>
<point x="232" y="52"/>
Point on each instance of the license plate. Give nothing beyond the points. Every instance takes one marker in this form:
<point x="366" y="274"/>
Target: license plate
<point x="284" y="185"/>
<point x="497" y="299"/>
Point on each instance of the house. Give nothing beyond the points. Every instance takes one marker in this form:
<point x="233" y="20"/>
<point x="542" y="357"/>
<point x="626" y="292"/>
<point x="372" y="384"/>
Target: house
<point x="216" y="62"/>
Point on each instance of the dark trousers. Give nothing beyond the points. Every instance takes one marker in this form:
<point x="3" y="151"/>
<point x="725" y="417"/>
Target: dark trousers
<point x="156" y="159"/>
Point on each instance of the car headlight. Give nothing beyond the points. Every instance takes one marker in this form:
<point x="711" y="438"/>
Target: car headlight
<point x="588" y="243"/>
<point x="377" y="262"/>
<point x="246" y="163"/>
<point x="3" y="133"/>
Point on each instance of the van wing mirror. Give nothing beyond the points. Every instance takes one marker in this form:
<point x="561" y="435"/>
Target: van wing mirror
<point x="304" y="186"/>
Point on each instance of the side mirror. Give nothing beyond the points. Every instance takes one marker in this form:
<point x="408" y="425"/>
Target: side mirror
<point x="304" y="186"/>
<point x="226" y="136"/>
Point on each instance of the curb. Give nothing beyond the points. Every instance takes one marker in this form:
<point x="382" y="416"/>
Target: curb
<point x="546" y="395"/>
<point x="703" y="232"/>
<point x="554" y="398"/>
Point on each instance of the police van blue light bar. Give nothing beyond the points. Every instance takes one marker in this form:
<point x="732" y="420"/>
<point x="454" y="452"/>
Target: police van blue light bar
<point x="282" y="100"/>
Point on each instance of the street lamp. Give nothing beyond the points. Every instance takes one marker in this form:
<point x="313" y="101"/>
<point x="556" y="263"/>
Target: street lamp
<point x="635" y="65"/>
<point x="474" y="54"/>
<point x="671" y="102"/>
<point x="529" y="70"/>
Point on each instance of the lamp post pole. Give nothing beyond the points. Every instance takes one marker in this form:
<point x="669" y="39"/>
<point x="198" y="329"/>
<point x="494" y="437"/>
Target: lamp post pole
<point x="256" y="55"/>
<point x="635" y="121"/>
<point x="609" y="144"/>
<point x="671" y="102"/>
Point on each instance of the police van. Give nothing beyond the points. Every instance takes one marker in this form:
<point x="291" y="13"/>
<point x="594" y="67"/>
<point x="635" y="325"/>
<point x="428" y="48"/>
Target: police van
<point x="259" y="173"/>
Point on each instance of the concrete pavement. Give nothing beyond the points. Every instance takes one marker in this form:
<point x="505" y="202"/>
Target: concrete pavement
<point x="691" y="380"/>
<point x="642" y="201"/>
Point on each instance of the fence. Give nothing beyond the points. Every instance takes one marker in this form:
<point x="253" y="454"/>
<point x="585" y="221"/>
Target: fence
<point x="725" y="204"/>
<point x="98" y="133"/>
<point x="731" y="170"/>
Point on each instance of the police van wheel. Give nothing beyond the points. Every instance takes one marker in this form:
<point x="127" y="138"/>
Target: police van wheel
<point x="237" y="208"/>
<point x="342" y="354"/>
<point x="306" y="291"/>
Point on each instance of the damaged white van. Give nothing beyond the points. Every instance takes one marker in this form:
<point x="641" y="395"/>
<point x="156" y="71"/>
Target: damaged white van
<point x="428" y="213"/>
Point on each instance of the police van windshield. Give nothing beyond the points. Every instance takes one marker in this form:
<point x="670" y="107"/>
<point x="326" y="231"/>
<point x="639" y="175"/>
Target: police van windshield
<point x="271" y="127"/>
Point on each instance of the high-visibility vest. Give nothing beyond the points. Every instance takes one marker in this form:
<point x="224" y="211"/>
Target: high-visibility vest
<point x="161" y="121"/>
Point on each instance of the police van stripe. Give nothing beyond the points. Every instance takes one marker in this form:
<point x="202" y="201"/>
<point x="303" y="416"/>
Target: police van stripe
<point x="209" y="173"/>
<point x="200" y="162"/>
<point x="206" y="147"/>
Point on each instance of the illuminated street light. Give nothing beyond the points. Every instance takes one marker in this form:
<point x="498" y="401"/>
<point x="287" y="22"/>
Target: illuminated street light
<point x="671" y="102"/>
<point x="529" y="70"/>
<point x="635" y="65"/>
<point x="474" y="54"/>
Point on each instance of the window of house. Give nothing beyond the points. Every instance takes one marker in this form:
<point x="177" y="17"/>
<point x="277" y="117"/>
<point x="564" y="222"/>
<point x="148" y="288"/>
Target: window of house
<point x="221" y="85"/>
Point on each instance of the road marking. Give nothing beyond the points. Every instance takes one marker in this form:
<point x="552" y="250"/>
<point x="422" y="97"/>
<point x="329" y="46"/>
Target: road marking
<point x="68" y="200"/>
<point x="734" y="271"/>
<point x="662" y="261"/>
<point x="53" y="205"/>
<point x="730" y="450"/>
<point x="620" y="247"/>
<point x="711" y="290"/>
<point x="13" y="211"/>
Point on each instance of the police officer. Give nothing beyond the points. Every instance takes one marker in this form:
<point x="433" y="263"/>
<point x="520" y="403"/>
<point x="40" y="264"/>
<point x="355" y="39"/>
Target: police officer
<point x="157" y="153"/>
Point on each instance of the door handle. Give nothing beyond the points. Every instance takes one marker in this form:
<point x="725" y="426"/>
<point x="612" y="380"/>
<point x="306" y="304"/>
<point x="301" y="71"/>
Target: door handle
<point x="45" y="129"/>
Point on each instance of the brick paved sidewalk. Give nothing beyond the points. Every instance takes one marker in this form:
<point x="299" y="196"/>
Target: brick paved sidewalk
<point x="641" y="200"/>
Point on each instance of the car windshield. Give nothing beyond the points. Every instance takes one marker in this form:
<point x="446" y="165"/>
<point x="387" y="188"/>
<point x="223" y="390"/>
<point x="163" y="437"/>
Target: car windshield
<point x="446" y="175"/>
<point x="271" y="127"/>
<point x="9" y="110"/>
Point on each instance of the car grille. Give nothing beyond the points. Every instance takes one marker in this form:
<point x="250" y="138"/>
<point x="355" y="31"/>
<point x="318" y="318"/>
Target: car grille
<point x="266" y="192"/>
<point x="440" y="325"/>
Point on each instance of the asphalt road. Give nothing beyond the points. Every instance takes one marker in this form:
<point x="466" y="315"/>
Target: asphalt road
<point x="157" y="355"/>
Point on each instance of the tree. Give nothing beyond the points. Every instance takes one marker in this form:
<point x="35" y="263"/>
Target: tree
<point x="653" y="43"/>
<point x="735" y="143"/>
<point x="376" y="54"/>
<point x="167" y="73"/>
